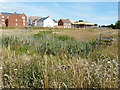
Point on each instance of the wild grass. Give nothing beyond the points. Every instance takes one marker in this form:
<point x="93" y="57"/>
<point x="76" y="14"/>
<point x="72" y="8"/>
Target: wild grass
<point x="34" y="28"/>
<point x="47" y="60"/>
<point x="47" y="43"/>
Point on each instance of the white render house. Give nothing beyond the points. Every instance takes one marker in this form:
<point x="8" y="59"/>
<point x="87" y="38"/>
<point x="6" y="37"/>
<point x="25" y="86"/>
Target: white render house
<point x="45" y="22"/>
<point x="55" y="23"/>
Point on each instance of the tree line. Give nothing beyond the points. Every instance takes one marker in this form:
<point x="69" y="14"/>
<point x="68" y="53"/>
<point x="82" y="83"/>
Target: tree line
<point x="116" y="26"/>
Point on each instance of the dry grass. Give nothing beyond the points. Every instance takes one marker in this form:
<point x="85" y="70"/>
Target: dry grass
<point x="53" y="72"/>
<point x="87" y="34"/>
<point x="91" y="34"/>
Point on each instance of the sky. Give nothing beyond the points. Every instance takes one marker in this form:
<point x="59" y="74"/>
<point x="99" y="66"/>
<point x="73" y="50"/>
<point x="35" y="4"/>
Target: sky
<point x="119" y="11"/>
<point x="101" y="13"/>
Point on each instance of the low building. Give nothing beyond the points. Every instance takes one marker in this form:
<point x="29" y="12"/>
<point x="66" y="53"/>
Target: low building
<point x="65" y="23"/>
<point x="34" y="22"/>
<point x="84" y="24"/>
<point x="32" y="18"/>
<point x="45" y="22"/>
<point x="13" y="19"/>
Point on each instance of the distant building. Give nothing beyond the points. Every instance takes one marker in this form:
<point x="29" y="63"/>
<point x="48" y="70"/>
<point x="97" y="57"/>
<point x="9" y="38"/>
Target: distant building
<point x="84" y="24"/>
<point x="65" y="23"/>
<point x="32" y="18"/>
<point x="34" y="22"/>
<point x="45" y="22"/>
<point x="13" y="19"/>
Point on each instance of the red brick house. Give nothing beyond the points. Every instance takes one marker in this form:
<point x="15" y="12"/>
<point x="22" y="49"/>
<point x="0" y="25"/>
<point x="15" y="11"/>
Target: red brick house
<point x="13" y="19"/>
<point x="65" y="23"/>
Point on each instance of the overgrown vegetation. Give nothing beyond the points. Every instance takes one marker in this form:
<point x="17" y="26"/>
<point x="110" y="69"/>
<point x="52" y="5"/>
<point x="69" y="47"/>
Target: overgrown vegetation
<point x="27" y="28"/>
<point x="47" y="60"/>
<point x="47" y="43"/>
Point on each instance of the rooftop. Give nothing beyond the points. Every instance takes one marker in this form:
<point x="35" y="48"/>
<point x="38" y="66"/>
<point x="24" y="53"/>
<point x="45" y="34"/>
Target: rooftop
<point x="42" y="19"/>
<point x="5" y="13"/>
<point x="65" y="20"/>
<point x="84" y="22"/>
<point x="35" y="20"/>
<point x="54" y="21"/>
<point x="35" y="17"/>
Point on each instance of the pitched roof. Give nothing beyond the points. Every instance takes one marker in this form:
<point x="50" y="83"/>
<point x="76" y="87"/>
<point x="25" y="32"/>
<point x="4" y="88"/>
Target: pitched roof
<point x="84" y="22"/>
<point x="4" y="13"/>
<point x="54" y="21"/>
<point x="65" y="20"/>
<point x="35" y="20"/>
<point x="42" y="19"/>
<point x="34" y="17"/>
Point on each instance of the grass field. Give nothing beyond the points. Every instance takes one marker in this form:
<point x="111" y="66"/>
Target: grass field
<point x="87" y="35"/>
<point x="59" y="58"/>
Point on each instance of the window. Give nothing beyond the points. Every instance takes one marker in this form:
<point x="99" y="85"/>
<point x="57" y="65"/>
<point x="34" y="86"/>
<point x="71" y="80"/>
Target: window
<point x="23" y="20"/>
<point x="2" y="16"/>
<point x="69" y="27"/>
<point x="23" y="24"/>
<point x="16" y="20"/>
<point x="3" y="20"/>
<point x="7" y="16"/>
<point x="65" y="23"/>
<point x="3" y="23"/>
<point x="65" y="26"/>
<point x="23" y="17"/>
<point x="16" y="24"/>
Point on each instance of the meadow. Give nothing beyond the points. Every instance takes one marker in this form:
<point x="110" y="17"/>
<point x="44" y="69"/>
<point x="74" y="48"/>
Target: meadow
<point x="58" y="59"/>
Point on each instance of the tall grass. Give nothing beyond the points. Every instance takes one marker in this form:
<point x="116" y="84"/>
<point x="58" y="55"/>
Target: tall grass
<point x="47" y="43"/>
<point x="45" y="60"/>
<point x="54" y="72"/>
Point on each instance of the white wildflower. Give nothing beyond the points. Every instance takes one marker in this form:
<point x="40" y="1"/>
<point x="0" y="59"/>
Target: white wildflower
<point x="108" y="61"/>
<point x="1" y="68"/>
<point x="15" y="69"/>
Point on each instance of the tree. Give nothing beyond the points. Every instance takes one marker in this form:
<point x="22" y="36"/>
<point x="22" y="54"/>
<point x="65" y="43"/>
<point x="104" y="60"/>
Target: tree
<point x="80" y="20"/>
<point x="112" y="26"/>
<point x="95" y="25"/>
<point x="117" y="25"/>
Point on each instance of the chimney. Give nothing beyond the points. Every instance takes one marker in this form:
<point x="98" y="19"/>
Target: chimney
<point x="48" y="16"/>
<point x="15" y="12"/>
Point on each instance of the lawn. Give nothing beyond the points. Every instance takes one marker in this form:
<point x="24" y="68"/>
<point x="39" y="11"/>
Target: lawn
<point x="58" y="58"/>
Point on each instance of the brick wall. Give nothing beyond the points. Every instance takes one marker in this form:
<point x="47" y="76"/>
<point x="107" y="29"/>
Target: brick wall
<point x="3" y="17"/>
<point x="15" y="21"/>
<point x="23" y="15"/>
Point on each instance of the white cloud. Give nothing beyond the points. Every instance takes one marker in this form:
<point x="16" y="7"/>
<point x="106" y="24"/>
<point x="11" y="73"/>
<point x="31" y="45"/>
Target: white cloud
<point x="4" y="1"/>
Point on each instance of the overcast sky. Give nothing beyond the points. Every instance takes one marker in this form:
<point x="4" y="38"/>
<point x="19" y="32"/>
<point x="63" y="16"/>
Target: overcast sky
<point x="95" y="12"/>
